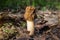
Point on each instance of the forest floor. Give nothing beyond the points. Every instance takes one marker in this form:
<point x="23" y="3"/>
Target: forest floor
<point x="13" y="25"/>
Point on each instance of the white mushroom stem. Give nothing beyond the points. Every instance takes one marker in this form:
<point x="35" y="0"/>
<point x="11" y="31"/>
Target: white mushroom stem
<point x="30" y="27"/>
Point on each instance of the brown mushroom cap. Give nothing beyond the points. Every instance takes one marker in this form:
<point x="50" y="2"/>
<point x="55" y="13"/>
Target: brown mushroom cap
<point x="29" y="15"/>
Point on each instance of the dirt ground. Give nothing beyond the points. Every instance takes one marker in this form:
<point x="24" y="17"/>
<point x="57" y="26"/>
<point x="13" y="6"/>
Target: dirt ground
<point x="13" y="26"/>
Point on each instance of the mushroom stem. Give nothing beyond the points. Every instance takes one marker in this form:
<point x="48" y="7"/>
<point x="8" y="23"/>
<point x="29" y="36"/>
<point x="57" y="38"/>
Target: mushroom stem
<point x="30" y="27"/>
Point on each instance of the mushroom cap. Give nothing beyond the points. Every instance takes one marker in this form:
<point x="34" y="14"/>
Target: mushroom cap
<point x="29" y="15"/>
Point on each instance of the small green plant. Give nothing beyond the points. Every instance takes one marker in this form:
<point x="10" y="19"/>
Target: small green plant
<point x="43" y="8"/>
<point x="23" y="24"/>
<point x="33" y="2"/>
<point x="28" y="2"/>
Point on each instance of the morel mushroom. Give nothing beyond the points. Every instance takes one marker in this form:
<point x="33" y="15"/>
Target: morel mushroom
<point x="29" y="17"/>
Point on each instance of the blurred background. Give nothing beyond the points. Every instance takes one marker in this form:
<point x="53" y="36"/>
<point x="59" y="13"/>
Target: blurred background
<point x="42" y="4"/>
